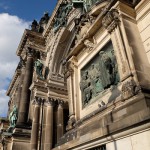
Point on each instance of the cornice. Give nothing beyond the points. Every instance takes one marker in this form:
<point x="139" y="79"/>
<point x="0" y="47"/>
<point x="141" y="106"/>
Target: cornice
<point x="13" y="81"/>
<point x="57" y="86"/>
<point x="30" y="38"/>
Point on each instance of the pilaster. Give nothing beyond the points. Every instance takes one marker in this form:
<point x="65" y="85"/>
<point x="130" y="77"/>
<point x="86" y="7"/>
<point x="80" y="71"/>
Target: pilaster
<point x="49" y="124"/>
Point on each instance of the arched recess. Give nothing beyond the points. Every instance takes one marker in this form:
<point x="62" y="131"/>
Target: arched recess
<point x="62" y="49"/>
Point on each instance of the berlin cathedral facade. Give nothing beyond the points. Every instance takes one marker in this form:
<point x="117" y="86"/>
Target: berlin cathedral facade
<point x="83" y="80"/>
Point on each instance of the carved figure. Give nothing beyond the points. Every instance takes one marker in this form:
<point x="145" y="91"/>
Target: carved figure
<point x="105" y="67"/>
<point x="13" y="116"/>
<point x="61" y="17"/>
<point x="89" y="44"/>
<point x="39" y="68"/>
<point x="85" y="88"/>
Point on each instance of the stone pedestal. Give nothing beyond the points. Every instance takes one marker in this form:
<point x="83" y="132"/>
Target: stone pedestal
<point x="49" y="125"/>
<point x="35" y="124"/>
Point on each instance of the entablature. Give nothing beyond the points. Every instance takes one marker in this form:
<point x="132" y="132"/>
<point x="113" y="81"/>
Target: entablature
<point x="32" y="40"/>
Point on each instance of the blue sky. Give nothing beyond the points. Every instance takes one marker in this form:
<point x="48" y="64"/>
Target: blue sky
<point x="15" y="16"/>
<point x="25" y="9"/>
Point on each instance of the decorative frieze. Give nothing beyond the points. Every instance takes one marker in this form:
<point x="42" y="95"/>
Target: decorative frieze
<point x="111" y="20"/>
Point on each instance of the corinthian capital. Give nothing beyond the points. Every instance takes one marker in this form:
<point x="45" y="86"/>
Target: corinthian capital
<point x="30" y="52"/>
<point x="49" y="102"/>
<point x="111" y="20"/>
<point x="37" y="101"/>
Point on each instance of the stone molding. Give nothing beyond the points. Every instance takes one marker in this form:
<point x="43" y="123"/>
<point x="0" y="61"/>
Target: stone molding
<point x="111" y="20"/>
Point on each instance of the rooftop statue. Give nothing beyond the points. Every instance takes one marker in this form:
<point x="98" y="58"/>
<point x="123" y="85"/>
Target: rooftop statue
<point x="13" y="116"/>
<point x="34" y="26"/>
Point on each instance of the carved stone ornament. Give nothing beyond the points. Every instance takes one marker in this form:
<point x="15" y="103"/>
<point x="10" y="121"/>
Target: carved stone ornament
<point x="68" y="68"/>
<point x="60" y="102"/>
<point x="82" y="25"/>
<point x="30" y="52"/>
<point x="37" y="101"/>
<point x="89" y="45"/>
<point x="129" y="89"/>
<point x="71" y="123"/>
<point x="50" y="102"/>
<point x="111" y="20"/>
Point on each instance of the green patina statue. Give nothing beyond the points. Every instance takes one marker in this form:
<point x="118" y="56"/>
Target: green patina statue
<point x="41" y="70"/>
<point x="13" y="116"/>
<point x="61" y="16"/>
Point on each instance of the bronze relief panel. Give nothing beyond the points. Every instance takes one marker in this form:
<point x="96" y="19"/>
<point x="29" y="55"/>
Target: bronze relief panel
<point x="99" y="74"/>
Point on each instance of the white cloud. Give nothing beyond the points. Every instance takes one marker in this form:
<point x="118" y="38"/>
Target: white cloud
<point x="11" y="30"/>
<point x="3" y="103"/>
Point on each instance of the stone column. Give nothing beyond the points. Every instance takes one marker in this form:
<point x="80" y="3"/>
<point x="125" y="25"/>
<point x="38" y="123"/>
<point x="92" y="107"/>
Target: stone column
<point x="49" y="125"/>
<point x="70" y="74"/>
<point x="60" y="120"/>
<point x="22" y="65"/>
<point x="25" y="94"/>
<point x="35" y="123"/>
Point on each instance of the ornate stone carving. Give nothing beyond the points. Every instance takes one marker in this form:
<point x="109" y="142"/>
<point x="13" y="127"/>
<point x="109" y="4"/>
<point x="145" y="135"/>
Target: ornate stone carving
<point x="71" y="123"/>
<point x="82" y="25"/>
<point x="30" y="52"/>
<point x="60" y="102"/>
<point x="68" y="66"/>
<point x="111" y="20"/>
<point x="89" y="45"/>
<point x="99" y="74"/>
<point x="129" y="89"/>
<point x="37" y="101"/>
<point x="50" y="102"/>
<point x="41" y="70"/>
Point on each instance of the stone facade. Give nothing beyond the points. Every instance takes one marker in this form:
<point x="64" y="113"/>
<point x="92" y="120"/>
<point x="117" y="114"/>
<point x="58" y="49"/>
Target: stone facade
<point x="83" y="79"/>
